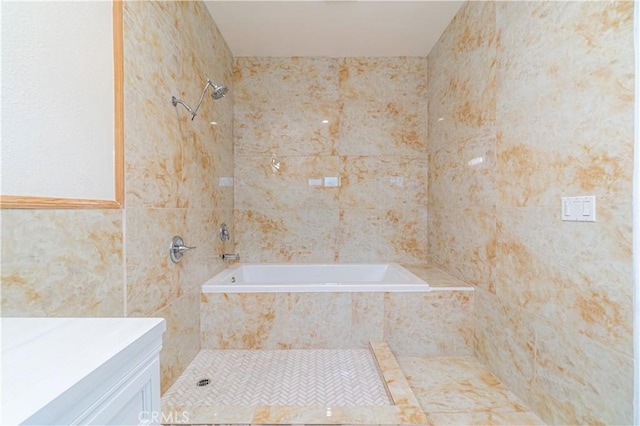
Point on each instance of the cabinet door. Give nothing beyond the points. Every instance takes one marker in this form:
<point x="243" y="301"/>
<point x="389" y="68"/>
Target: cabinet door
<point x="136" y="402"/>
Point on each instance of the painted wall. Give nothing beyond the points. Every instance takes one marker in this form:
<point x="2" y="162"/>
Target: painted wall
<point x="374" y="141"/>
<point x="115" y="262"/>
<point x="529" y="102"/>
<point x="58" y="106"/>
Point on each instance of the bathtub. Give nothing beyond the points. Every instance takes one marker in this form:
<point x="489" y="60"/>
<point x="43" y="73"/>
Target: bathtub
<point x="315" y="278"/>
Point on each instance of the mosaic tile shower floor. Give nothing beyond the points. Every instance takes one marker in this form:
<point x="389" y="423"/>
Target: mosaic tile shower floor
<point x="356" y="387"/>
<point x="295" y="377"/>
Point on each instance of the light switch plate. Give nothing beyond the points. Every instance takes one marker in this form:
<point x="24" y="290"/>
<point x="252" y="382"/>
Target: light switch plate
<point x="331" y="181"/>
<point x="579" y="209"/>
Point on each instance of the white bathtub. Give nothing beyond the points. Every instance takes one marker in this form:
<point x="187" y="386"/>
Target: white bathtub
<point x="314" y="277"/>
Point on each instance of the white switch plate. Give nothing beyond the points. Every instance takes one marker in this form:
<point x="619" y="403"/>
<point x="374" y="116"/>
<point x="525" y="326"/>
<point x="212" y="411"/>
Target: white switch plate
<point x="225" y="181"/>
<point x="579" y="209"/>
<point x="331" y="181"/>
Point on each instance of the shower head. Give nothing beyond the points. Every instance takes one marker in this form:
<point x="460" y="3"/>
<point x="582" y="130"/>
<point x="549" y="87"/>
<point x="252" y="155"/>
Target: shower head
<point x="218" y="92"/>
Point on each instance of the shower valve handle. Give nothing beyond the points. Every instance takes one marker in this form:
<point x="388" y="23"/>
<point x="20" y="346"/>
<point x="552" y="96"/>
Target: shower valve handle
<point x="182" y="249"/>
<point x="177" y="248"/>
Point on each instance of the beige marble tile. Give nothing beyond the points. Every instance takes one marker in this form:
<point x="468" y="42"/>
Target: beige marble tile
<point x="383" y="182"/>
<point x="389" y="79"/>
<point x="152" y="51"/>
<point x="313" y="415"/>
<point x="406" y="232"/>
<point x="62" y="263"/>
<point x="367" y="319"/>
<point x="536" y="120"/>
<point x="438" y="279"/>
<point x="285" y="128"/>
<point x="279" y="108"/>
<point x="153" y="280"/>
<point x="588" y="75"/>
<point x="579" y="274"/>
<point x="280" y="105"/>
<point x="383" y="128"/>
<point x="360" y="236"/>
<point x="505" y="341"/>
<point x="457" y="384"/>
<point x="368" y="235"/>
<point x="464" y="177"/>
<point x="462" y="242"/>
<point x="291" y="320"/>
<point x="590" y="383"/>
<point x="400" y="415"/>
<point x="202" y="232"/>
<point x="152" y="175"/>
<point x="313" y="320"/>
<point x="190" y="414"/>
<point x="429" y="324"/>
<point x="273" y="235"/>
<point x="261" y="80"/>
<point x="181" y="340"/>
<point x="238" y="321"/>
<point x="398" y="387"/>
<point x="259" y="185"/>
<point x="484" y="418"/>
<point x="174" y="165"/>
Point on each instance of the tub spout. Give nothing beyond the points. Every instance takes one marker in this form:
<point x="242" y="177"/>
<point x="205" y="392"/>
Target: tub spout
<point x="228" y="256"/>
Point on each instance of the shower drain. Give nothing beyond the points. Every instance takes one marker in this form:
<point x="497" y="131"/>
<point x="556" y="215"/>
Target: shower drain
<point x="203" y="382"/>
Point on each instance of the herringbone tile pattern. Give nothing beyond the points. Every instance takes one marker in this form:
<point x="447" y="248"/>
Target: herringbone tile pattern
<point x="293" y="377"/>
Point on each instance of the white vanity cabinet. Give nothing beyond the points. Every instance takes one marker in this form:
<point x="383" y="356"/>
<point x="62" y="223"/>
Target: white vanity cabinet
<point x="82" y="371"/>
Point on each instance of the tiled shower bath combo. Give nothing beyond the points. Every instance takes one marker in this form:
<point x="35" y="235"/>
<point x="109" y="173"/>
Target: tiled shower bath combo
<point x="451" y="164"/>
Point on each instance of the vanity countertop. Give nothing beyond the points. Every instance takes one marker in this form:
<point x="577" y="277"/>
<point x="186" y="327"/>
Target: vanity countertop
<point x="48" y="361"/>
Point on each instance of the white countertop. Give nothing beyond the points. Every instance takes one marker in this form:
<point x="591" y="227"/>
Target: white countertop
<point x="43" y="358"/>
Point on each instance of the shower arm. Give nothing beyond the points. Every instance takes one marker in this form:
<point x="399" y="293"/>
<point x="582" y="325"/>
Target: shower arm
<point x="175" y="101"/>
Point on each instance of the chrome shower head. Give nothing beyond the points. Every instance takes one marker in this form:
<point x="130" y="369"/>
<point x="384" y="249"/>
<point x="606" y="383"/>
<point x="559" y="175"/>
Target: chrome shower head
<point x="218" y="92"/>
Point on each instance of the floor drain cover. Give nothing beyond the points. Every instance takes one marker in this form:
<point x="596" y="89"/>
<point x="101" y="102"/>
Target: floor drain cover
<point x="203" y="382"/>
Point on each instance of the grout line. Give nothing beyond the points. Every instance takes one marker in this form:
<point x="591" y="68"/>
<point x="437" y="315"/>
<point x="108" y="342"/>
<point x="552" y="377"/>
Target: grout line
<point x="124" y="261"/>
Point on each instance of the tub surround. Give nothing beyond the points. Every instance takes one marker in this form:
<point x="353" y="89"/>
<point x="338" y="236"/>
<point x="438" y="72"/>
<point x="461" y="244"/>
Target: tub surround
<point x="374" y="141"/>
<point x="436" y="323"/>
<point x="529" y="102"/>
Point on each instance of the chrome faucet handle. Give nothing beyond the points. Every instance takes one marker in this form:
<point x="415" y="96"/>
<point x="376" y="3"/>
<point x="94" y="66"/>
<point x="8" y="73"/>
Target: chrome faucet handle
<point x="182" y="249"/>
<point x="177" y="249"/>
<point x="229" y="256"/>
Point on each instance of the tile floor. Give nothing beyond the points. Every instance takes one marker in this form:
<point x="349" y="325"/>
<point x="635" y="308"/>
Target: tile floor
<point x="461" y="391"/>
<point x="294" y="377"/>
<point x="450" y="390"/>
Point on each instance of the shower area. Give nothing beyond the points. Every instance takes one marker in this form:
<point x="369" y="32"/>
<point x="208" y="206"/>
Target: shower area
<point x="451" y="164"/>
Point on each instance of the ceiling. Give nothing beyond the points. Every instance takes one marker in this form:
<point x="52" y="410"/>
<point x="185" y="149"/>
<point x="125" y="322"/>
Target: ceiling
<point x="332" y="27"/>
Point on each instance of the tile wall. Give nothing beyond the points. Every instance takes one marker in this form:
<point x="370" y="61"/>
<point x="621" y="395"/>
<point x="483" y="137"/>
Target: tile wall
<point x="437" y="323"/>
<point x="115" y="262"/>
<point x="58" y="263"/>
<point x="374" y="140"/>
<point x="174" y="166"/>
<point x="529" y="102"/>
